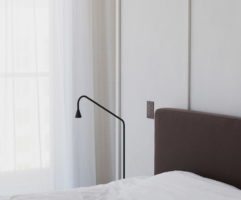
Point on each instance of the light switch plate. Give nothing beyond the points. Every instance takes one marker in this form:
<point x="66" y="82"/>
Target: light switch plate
<point x="150" y="109"/>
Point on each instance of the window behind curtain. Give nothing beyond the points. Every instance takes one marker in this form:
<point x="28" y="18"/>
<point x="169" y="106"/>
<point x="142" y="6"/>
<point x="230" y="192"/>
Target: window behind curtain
<point x="24" y="86"/>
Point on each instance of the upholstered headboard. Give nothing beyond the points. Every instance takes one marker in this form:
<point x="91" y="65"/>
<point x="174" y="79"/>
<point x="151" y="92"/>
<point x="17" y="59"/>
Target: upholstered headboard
<point x="206" y="144"/>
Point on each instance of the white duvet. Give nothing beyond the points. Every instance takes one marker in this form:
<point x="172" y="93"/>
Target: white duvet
<point x="174" y="185"/>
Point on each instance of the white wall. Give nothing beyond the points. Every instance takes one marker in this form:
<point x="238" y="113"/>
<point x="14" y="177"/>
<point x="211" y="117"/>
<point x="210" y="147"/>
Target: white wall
<point x="216" y="56"/>
<point x="154" y="67"/>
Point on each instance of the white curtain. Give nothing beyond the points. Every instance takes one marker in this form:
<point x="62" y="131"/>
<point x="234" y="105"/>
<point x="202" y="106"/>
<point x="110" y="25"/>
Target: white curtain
<point x="24" y="96"/>
<point x="104" y="89"/>
<point x="36" y="100"/>
<point x="46" y="62"/>
<point x="61" y="98"/>
<point x="83" y="129"/>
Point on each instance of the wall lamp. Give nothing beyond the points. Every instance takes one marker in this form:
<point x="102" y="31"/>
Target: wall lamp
<point x="78" y="115"/>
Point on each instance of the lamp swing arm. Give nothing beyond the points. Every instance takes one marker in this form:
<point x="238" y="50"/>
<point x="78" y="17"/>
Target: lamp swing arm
<point x="96" y="103"/>
<point x="113" y="114"/>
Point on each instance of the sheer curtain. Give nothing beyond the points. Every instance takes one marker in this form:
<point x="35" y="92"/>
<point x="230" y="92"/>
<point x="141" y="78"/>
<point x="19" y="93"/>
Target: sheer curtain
<point x="46" y="62"/>
<point x="36" y="96"/>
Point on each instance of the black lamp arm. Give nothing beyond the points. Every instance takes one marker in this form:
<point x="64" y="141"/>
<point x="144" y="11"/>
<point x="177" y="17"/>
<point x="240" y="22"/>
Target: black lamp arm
<point x="96" y="103"/>
<point x="113" y="114"/>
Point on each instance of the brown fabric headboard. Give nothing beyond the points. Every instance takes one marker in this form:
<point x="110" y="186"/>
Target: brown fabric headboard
<point x="202" y="143"/>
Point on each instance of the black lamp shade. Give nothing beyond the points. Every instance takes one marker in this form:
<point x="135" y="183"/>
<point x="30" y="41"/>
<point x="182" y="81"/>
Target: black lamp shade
<point x="78" y="114"/>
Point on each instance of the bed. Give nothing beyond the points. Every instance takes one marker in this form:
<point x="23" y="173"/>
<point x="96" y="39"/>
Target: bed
<point x="197" y="156"/>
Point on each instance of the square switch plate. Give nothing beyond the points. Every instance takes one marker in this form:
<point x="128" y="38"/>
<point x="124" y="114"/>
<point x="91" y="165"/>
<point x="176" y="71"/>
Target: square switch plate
<point x="150" y="109"/>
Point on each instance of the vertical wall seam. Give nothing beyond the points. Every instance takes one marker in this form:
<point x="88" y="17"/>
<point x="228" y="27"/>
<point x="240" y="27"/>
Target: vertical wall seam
<point x="118" y="87"/>
<point x="189" y="53"/>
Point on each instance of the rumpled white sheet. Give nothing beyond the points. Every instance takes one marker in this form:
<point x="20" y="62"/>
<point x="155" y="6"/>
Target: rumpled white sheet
<point x="176" y="185"/>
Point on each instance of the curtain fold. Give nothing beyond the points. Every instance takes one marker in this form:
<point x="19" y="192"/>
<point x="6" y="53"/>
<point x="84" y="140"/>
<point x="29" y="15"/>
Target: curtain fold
<point x="104" y="89"/>
<point x="84" y="128"/>
<point x="61" y="93"/>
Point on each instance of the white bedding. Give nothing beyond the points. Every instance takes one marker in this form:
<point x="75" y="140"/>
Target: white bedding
<point x="176" y="185"/>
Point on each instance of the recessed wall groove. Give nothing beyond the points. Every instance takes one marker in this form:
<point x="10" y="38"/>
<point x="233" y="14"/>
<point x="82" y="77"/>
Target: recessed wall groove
<point x="189" y="54"/>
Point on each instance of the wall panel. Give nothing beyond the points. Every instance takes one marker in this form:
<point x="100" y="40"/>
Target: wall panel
<point x="154" y="67"/>
<point x="216" y="56"/>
